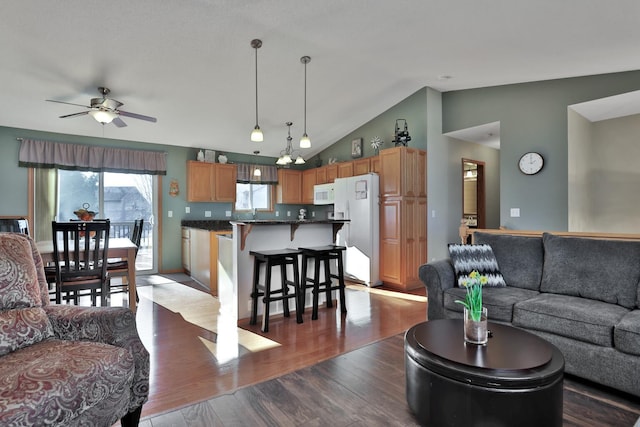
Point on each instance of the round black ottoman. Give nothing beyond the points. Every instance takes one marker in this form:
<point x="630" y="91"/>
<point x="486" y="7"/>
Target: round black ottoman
<point x="513" y="380"/>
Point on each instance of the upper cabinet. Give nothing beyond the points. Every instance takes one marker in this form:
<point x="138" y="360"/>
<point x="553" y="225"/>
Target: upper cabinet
<point x="403" y="172"/>
<point x="308" y="181"/>
<point x="289" y="189"/>
<point x="345" y="169"/>
<point x="361" y="166"/>
<point x="211" y="182"/>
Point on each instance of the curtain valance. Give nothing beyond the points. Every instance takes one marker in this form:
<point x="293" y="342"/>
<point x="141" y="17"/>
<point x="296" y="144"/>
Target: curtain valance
<point x="268" y="174"/>
<point x="49" y="154"/>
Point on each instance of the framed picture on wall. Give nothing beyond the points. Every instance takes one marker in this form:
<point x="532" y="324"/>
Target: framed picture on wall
<point x="356" y="148"/>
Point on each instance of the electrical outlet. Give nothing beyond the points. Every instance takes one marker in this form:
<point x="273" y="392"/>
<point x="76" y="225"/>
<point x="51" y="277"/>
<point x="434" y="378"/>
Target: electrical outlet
<point x="515" y="212"/>
<point x="277" y="213"/>
<point x="227" y="214"/>
<point x="433" y="213"/>
<point x="207" y="214"/>
<point x="187" y="209"/>
<point x="313" y="214"/>
<point x="170" y="214"/>
<point x="288" y="213"/>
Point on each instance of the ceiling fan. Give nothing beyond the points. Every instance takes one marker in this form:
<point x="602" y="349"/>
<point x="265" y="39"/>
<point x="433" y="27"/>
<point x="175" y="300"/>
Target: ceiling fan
<point x="105" y="110"/>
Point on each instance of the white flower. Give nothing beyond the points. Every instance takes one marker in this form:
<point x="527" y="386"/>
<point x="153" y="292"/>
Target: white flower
<point x="376" y="142"/>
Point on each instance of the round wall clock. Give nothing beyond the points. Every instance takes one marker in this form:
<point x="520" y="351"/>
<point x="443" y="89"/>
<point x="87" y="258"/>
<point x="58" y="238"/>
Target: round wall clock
<point x="531" y="163"/>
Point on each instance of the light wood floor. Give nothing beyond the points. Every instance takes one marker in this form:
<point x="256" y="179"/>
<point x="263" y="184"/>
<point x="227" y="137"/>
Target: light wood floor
<point x="197" y="354"/>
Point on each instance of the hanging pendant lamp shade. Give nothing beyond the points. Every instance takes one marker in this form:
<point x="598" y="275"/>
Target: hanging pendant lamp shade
<point x="256" y="134"/>
<point x="305" y="142"/>
<point x="257" y="173"/>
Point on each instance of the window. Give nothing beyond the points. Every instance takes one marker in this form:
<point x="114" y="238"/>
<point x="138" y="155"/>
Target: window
<point x="253" y="196"/>
<point x="121" y="197"/>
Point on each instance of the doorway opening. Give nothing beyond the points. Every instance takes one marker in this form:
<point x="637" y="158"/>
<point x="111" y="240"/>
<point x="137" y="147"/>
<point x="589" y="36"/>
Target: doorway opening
<point x="473" y="193"/>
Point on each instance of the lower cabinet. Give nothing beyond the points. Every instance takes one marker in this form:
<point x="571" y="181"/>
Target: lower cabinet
<point x="403" y="241"/>
<point x="203" y="255"/>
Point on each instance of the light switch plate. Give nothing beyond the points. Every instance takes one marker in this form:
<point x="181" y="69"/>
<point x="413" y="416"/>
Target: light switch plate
<point x="207" y="214"/>
<point x="170" y="214"/>
<point x="187" y="209"/>
<point x="227" y="214"/>
<point x="515" y="212"/>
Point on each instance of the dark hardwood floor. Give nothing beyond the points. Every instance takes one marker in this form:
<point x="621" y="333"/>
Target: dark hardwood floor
<point x="365" y="387"/>
<point x="206" y="371"/>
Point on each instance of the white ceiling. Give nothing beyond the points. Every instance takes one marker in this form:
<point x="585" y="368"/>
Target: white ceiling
<point x="189" y="62"/>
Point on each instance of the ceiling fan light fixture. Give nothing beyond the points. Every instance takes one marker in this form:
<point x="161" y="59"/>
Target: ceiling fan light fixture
<point x="103" y="116"/>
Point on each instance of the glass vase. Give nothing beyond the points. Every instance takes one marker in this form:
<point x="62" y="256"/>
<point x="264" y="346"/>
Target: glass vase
<point x="475" y="332"/>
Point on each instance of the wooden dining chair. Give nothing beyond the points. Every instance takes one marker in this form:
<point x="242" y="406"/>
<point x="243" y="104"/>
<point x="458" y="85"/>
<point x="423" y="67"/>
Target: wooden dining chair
<point x="80" y="256"/>
<point x="120" y="268"/>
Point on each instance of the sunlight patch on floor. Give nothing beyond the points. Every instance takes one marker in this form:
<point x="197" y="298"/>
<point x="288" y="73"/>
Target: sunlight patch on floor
<point x="203" y="310"/>
<point x="388" y="293"/>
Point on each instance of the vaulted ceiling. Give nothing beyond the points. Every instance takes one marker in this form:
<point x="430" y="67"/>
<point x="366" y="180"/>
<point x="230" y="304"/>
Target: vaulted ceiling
<point x="190" y="64"/>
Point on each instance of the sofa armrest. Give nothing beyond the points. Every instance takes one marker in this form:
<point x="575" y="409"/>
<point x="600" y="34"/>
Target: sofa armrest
<point x="437" y="276"/>
<point x="110" y="325"/>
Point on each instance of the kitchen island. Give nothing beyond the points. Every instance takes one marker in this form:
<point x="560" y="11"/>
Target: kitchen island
<point x="257" y="235"/>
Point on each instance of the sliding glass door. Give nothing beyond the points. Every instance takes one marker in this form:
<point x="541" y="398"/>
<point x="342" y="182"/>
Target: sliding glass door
<point x="120" y="197"/>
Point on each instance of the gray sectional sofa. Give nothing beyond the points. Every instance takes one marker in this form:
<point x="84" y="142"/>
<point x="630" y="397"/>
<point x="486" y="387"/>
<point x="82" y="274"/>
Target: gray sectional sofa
<point x="581" y="294"/>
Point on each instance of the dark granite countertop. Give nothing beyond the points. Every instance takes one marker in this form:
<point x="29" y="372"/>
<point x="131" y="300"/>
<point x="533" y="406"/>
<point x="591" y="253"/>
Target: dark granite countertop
<point x="289" y="221"/>
<point x="204" y="224"/>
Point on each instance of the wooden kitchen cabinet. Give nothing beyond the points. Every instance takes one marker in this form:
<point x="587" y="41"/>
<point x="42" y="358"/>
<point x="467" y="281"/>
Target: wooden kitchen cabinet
<point x="331" y="172"/>
<point x="203" y="257"/>
<point x="289" y="188"/>
<point x="403" y="172"/>
<point x="308" y="181"/>
<point x="375" y="164"/>
<point x="361" y="166"/>
<point x="403" y="216"/>
<point x="211" y="182"/>
<point x="345" y="169"/>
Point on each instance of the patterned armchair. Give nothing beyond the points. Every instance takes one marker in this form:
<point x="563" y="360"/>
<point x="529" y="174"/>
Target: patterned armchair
<point x="59" y="364"/>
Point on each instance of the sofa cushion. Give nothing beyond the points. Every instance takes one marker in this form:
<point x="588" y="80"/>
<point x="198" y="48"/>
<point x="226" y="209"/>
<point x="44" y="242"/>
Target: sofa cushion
<point x="467" y="258"/>
<point x="573" y="317"/>
<point x="41" y="384"/>
<point x="498" y="301"/>
<point x="626" y="335"/>
<point x="603" y="270"/>
<point x="520" y="258"/>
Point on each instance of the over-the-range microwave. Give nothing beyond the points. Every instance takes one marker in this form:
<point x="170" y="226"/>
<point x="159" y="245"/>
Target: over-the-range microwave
<point x="323" y="194"/>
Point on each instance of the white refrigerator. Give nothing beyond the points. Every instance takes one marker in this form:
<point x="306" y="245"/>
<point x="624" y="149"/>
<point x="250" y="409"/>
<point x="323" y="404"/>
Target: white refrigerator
<point x="357" y="199"/>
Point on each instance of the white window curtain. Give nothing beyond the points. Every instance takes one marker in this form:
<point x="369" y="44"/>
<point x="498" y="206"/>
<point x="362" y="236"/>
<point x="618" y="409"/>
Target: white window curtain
<point x="268" y="174"/>
<point x="49" y="154"/>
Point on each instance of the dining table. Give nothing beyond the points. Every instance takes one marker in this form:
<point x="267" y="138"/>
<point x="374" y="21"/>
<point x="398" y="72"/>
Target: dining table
<point x="119" y="247"/>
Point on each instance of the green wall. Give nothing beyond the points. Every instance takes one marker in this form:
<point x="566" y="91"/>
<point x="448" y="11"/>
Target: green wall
<point x="533" y="117"/>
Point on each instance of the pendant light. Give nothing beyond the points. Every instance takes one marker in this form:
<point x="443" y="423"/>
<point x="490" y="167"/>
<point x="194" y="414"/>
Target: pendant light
<point x="305" y="142"/>
<point x="256" y="135"/>
<point x="257" y="173"/>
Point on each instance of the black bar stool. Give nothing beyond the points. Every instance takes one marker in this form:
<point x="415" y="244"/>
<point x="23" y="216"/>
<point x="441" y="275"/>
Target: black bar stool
<point x="270" y="259"/>
<point x="322" y="254"/>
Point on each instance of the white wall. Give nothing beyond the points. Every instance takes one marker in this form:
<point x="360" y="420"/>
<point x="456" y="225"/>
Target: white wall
<point x="604" y="175"/>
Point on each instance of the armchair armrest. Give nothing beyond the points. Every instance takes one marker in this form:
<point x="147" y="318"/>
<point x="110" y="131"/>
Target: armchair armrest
<point x="110" y="325"/>
<point x="437" y="276"/>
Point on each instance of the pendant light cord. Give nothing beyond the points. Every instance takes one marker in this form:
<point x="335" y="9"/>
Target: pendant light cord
<point x="256" y="51"/>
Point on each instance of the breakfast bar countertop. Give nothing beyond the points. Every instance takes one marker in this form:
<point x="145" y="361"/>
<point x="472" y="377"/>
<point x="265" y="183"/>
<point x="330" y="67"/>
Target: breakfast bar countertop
<point x="207" y="224"/>
<point x="289" y="221"/>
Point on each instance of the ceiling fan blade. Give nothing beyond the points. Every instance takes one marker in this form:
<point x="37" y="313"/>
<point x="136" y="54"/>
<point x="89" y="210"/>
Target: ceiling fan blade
<point x="74" y="115"/>
<point x="119" y="123"/>
<point x="137" y="116"/>
<point x="68" y="103"/>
